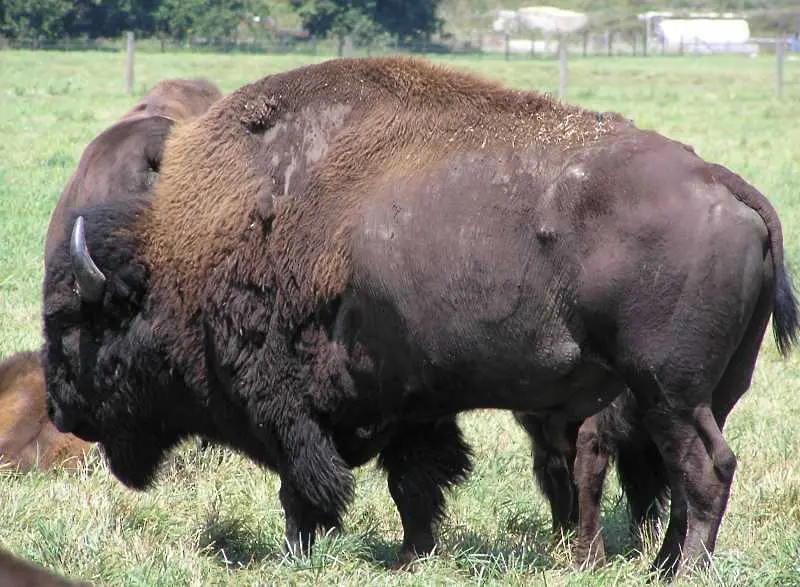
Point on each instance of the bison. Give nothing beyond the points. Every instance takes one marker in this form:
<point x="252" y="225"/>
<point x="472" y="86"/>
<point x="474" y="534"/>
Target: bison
<point x="339" y="259"/>
<point x="122" y="161"/>
<point x="570" y="462"/>
<point x="17" y="572"/>
<point x="28" y="439"/>
<point x="178" y="99"/>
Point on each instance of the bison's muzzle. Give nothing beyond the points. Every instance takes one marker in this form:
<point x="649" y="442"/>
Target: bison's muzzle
<point x="59" y="417"/>
<point x="67" y="422"/>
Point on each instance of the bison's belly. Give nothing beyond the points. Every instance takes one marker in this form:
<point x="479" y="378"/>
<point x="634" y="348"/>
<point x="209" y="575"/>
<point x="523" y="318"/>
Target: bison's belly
<point x="418" y="365"/>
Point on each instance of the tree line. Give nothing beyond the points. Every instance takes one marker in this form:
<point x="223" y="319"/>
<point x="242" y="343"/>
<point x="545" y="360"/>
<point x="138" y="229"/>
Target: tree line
<point x="212" y="19"/>
<point x="405" y="21"/>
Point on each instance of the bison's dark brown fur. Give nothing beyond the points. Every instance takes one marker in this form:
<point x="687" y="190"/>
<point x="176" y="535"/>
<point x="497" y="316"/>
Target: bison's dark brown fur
<point x="339" y="259"/>
<point x="571" y="458"/>
<point x="121" y="162"/>
<point x="28" y="440"/>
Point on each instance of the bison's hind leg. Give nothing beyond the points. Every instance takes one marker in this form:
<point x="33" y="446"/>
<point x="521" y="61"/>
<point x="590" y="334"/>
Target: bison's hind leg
<point x="703" y="452"/>
<point x="676" y="362"/>
<point x="698" y="462"/>
<point x="700" y="467"/>
<point x="421" y="461"/>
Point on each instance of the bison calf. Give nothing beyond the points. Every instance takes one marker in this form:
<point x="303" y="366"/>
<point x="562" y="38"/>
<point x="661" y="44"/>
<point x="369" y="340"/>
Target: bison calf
<point x="28" y="439"/>
<point x="570" y="463"/>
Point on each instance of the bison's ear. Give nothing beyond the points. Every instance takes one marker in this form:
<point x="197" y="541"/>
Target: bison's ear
<point x="89" y="280"/>
<point x="154" y="130"/>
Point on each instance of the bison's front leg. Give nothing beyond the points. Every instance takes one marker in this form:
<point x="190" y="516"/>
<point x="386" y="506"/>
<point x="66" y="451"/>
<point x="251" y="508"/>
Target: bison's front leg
<point x="421" y="460"/>
<point x="302" y="520"/>
<point x="316" y="484"/>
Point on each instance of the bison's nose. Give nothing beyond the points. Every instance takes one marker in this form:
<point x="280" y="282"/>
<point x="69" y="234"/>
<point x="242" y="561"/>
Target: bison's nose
<point x="59" y="417"/>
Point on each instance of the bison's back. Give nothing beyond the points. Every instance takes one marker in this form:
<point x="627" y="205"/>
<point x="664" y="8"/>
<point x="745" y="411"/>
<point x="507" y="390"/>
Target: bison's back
<point x="176" y="98"/>
<point x="250" y="166"/>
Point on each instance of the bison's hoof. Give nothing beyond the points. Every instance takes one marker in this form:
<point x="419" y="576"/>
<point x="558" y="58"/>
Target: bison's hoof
<point x="591" y="556"/>
<point x="406" y="561"/>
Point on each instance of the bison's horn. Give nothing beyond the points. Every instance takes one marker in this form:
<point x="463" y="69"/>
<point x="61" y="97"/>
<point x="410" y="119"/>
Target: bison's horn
<point x="89" y="279"/>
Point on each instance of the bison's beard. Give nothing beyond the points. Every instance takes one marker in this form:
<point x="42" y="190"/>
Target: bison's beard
<point x="135" y="459"/>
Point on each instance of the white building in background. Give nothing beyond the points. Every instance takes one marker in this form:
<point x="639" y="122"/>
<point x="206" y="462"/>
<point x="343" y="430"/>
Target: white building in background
<point x="550" y="21"/>
<point x="547" y="19"/>
<point x="699" y="32"/>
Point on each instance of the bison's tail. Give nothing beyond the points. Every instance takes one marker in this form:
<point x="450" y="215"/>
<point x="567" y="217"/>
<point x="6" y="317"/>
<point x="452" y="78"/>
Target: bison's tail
<point x="784" y="315"/>
<point x="785" y="321"/>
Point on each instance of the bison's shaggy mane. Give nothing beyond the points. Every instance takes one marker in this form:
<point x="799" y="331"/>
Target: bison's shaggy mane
<point x="274" y="176"/>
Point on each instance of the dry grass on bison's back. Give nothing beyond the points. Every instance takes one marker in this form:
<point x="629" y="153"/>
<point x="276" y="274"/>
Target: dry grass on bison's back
<point x="214" y="518"/>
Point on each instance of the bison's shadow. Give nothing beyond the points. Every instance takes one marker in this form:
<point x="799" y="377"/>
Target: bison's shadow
<point x="232" y="542"/>
<point x="525" y="541"/>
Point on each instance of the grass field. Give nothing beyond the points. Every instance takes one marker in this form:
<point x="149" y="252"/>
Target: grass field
<point x="214" y="518"/>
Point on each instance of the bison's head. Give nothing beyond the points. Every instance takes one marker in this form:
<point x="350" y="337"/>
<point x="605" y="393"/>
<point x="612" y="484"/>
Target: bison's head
<point x="107" y="378"/>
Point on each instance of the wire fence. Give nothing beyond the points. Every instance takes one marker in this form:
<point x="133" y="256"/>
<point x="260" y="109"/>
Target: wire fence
<point x="624" y="33"/>
<point x="590" y="44"/>
<point x="501" y="34"/>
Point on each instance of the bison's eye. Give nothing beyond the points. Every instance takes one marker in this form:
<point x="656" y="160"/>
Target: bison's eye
<point x="150" y="179"/>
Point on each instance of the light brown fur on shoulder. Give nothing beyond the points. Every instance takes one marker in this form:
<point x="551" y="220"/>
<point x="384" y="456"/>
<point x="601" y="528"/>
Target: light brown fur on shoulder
<point x="28" y="440"/>
<point x="221" y="176"/>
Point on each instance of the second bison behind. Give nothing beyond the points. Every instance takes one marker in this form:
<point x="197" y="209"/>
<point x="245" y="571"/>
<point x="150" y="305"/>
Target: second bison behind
<point x="339" y="259"/>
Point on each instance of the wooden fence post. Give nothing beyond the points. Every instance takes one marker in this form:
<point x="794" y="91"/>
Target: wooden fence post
<point x="562" y="67"/>
<point x="646" y="37"/>
<point x="779" y="54"/>
<point x="129" y="65"/>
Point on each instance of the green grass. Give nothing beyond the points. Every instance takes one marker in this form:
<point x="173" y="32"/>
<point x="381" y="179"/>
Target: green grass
<point x="214" y="518"/>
